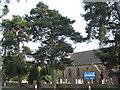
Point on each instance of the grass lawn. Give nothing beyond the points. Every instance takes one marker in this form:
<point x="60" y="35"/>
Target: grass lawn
<point x="12" y="87"/>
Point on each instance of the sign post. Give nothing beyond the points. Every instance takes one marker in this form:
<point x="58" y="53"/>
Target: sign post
<point x="89" y="76"/>
<point x="89" y="85"/>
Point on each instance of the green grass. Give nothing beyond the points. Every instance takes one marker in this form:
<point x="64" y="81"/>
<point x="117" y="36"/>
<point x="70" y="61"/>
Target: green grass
<point x="13" y="87"/>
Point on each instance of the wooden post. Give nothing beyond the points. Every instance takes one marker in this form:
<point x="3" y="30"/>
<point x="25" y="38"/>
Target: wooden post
<point x="36" y="87"/>
<point x="89" y="85"/>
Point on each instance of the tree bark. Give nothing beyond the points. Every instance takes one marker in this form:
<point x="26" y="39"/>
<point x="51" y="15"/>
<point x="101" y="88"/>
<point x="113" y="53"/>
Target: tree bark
<point x="53" y="69"/>
<point x="117" y="46"/>
<point x="117" y="5"/>
<point x="19" y="80"/>
<point x="53" y="75"/>
<point x="18" y="53"/>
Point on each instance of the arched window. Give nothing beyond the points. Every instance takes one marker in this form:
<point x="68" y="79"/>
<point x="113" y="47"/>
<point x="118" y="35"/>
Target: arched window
<point x="70" y="73"/>
<point x="78" y="72"/>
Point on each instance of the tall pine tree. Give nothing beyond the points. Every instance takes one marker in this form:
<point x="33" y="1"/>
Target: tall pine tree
<point x="103" y="24"/>
<point x="52" y="29"/>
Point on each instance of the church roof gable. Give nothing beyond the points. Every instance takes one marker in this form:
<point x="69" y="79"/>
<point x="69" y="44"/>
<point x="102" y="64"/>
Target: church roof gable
<point x="86" y="57"/>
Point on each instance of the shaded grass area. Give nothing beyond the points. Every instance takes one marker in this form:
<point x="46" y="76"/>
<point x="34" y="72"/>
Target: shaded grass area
<point x="61" y="89"/>
<point x="86" y="86"/>
<point x="71" y="87"/>
<point x="12" y="87"/>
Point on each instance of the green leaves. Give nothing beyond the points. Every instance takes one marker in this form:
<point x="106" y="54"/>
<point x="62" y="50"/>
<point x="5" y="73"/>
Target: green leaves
<point x="15" y="32"/>
<point x="43" y="20"/>
<point x="103" y="24"/>
<point x="99" y="16"/>
<point x="5" y="10"/>
<point x="10" y="28"/>
<point x="14" y="64"/>
<point x="48" y="27"/>
<point x="108" y="57"/>
<point x="10" y="40"/>
<point x="26" y="50"/>
<point x="34" y="74"/>
<point x="51" y="29"/>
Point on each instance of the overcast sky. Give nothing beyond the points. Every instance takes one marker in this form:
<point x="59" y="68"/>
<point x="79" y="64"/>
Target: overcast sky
<point x="70" y="8"/>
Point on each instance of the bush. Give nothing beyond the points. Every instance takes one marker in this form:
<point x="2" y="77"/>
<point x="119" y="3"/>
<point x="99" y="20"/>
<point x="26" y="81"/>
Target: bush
<point x="34" y="74"/>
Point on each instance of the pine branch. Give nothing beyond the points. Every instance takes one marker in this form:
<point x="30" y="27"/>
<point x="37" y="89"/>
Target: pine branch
<point x="114" y="13"/>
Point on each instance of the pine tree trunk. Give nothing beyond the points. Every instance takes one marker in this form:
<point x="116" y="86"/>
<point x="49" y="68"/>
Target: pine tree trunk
<point x="117" y="46"/>
<point x="19" y="80"/>
<point x="117" y="5"/>
<point x="4" y="55"/>
<point x="53" y="69"/>
<point x="18" y="52"/>
<point x="53" y="75"/>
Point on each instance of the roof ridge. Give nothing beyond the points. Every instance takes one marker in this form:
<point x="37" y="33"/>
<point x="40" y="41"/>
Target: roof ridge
<point x="85" y="51"/>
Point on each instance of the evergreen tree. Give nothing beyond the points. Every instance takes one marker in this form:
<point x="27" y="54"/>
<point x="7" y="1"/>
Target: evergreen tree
<point x="34" y="74"/>
<point x="52" y="29"/>
<point x="45" y="73"/>
<point x="103" y="24"/>
<point x="15" y="33"/>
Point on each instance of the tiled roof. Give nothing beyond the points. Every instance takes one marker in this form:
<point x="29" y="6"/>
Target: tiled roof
<point x="86" y="57"/>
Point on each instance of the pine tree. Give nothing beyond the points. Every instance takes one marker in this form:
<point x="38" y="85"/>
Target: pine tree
<point x="103" y="24"/>
<point x="34" y="74"/>
<point x="52" y="29"/>
<point x="15" y="33"/>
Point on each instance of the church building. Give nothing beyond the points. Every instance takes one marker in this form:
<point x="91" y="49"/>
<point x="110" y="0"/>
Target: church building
<point x="86" y="62"/>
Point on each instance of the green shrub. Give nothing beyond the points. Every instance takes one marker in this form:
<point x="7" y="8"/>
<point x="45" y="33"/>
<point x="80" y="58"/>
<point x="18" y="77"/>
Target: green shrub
<point x="34" y="74"/>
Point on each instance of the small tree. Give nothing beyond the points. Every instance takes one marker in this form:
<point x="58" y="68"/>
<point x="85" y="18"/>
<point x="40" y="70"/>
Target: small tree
<point x="45" y="74"/>
<point x="34" y="74"/>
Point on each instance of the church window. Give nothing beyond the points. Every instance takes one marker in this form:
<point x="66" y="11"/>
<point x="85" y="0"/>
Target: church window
<point x="70" y="72"/>
<point x="78" y="72"/>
